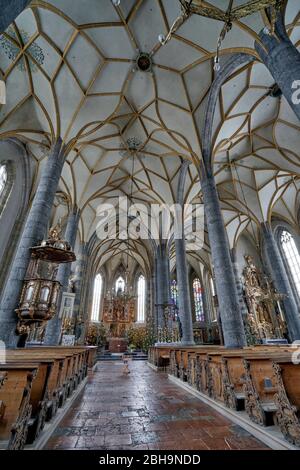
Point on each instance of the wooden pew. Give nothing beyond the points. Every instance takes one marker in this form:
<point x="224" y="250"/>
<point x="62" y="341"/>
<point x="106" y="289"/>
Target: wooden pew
<point x="159" y="356"/>
<point x="15" y="393"/>
<point x="68" y="367"/>
<point x="92" y="355"/>
<point x="38" y="380"/>
<point x="74" y="367"/>
<point x="152" y="355"/>
<point x="287" y="399"/>
<point x="54" y="380"/>
<point x="202" y="373"/>
<point x="44" y="393"/>
<point x="3" y="376"/>
<point x="234" y="374"/>
<point x="57" y="381"/>
<point x="262" y="379"/>
<point x="260" y="386"/>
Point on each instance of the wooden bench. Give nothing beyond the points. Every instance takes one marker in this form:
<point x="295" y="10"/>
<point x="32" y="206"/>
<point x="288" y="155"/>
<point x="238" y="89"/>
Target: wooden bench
<point x="15" y="393"/>
<point x="287" y="398"/>
<point x="58" y="381"/>
<point x="234" y="374"/>
<point x="48" y="392"/>
<point x="3" y="376"/>
<point x="38" y="381"/>
<point x="260" y="386"/>
<point x="159" y="356"/>
<point x="77" y="360"/>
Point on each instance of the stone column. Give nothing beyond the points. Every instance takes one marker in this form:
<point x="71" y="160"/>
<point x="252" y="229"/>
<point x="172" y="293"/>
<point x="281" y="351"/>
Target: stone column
<point x="80" y="272"/>
<point x="184" y="298"/>
<point x="10" y="10"/>
<point x="86" y="296"/>
<point x="282" y="59"/>
<point x="53" y="329"/>
<point x="239" y="285"/>
<point x="162" y="282"/>
<point x="281" y="281"/>
<point x="184" y="291"/>
<point x="229" y="305"/>
<point x="34" y="231"/>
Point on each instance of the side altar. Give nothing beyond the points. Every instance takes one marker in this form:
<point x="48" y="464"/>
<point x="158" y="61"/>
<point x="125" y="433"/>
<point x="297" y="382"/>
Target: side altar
<point x="265" y="319"/>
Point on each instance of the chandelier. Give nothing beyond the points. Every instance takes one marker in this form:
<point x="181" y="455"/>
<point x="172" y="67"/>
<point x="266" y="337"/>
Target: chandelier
<point x="232" y="13"/>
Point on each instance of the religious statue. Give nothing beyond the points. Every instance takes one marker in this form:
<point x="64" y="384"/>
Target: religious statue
<point x="265" y="318"/>
<point x="54" y="232"/>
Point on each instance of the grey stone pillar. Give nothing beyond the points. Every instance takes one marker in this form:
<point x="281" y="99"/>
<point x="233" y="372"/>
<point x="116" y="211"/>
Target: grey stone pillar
<point x="53" y="329"/>
<point x="162" y="282"/>
<point x="184" y="297"/>
<point x="239" y="285"/>
<point x="79" y="275"/>
<point x="80" y="272"/>
<point x="9" y="10"/>
<point x="152" y="302"/>
<point x="281" y="281"/>
<point x="34" y="231"/>
<point x="282" y="60"/>
<point x="87" y="296"/>
<point x="229" y="305"/>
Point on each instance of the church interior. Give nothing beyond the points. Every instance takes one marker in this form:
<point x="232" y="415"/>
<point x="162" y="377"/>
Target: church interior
<point x="149" y="225"/>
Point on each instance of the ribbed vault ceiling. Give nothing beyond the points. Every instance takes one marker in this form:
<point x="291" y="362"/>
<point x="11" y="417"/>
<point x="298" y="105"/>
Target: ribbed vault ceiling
<point x="70" y="70"/>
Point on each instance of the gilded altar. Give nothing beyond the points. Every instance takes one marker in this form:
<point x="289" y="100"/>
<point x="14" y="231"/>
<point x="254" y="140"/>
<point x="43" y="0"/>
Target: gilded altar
<point x="118" y="315"/>
<point x="265" y="319"/>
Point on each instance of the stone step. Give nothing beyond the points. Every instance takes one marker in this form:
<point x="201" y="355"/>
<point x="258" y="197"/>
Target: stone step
<point x="118" y="357"/>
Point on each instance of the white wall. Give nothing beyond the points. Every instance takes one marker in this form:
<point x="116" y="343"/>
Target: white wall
<point x="14" y="211"/>
<point x="246" y="247"/>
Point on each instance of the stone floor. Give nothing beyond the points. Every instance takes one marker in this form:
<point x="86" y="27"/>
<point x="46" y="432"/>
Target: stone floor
<point x="144" y="410"/>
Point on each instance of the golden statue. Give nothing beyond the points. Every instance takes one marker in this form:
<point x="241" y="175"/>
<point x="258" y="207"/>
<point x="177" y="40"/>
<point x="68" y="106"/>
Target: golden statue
<point x="55" y="232"/>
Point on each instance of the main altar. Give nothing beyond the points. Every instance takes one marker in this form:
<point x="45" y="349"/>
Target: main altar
<point x="118" y="316"/>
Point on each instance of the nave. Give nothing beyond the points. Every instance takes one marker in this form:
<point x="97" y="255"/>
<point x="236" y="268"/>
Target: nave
<point x="149" y="206"/>
<point x="144" y="410"/>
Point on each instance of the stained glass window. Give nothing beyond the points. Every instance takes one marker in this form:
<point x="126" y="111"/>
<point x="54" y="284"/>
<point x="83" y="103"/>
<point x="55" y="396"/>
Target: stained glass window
<point x="97" y="298"/>
<point x="292" y="256"/>
<point x="120" y="284"/>
<point x="198" y="301"/>
<point x="3" y="178"/>
<point x="141" y="299"/>
<point x="213" y="293"/>
<point x="174" y="292"/>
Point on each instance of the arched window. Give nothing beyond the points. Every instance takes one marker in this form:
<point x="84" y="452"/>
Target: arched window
<point x="213" y="294"/>
<point x="198" y="302"/>
<point x="141" y="299"/>
<point x="120" y="284"/>
<point x="292" y="256"/>
<point x="174" y="292"/>
<point x="97" y="298"/>
<point x="3" y="178"/>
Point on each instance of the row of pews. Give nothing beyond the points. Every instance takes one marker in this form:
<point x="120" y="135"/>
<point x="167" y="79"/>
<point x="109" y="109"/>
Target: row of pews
<point x="263" y="380"/>
<point x="34" y="383"/>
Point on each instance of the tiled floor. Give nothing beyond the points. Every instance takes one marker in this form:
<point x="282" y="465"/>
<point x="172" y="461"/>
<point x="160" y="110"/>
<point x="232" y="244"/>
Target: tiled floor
<point x="144" y="410"/>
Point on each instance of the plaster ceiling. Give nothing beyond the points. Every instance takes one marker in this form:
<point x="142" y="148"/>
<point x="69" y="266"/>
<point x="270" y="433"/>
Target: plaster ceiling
<point x="69" y="67"/>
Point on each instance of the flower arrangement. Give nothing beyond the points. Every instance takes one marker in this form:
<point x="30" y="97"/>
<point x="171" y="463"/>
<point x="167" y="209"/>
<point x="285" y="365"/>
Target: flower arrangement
<point x="140" y="337"/>
<point x="96" y="334"/>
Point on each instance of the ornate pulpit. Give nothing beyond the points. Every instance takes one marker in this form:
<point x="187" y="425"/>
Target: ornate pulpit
<point x="39" y="297"/>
